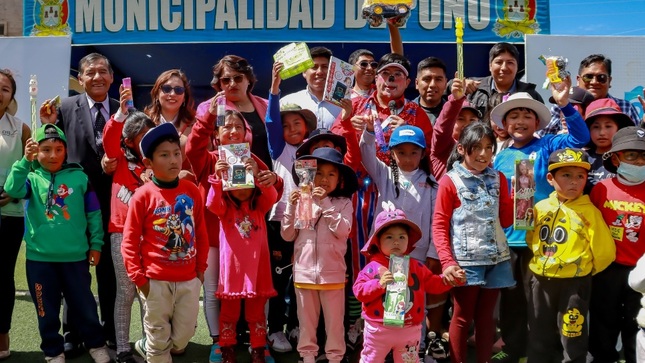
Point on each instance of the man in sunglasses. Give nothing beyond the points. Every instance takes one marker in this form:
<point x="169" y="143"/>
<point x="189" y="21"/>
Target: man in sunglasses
<point x="594" y="76"/>
<point x="364" y="73"/>
<point x="431" y="82"/>
<point x="82" y="118"/>
<point x="311" y="97"/>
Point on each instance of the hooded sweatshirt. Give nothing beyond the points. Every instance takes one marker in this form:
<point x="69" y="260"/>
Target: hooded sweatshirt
<point x="61" y="206"/>
<point x="570" y="239"/>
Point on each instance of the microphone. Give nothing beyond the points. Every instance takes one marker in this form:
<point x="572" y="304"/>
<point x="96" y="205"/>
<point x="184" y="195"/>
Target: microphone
<point x="392" y="106"/>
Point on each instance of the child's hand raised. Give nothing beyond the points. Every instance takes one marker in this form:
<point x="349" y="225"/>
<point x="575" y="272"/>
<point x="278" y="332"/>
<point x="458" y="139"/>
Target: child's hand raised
<point x="275" y="78"/>
<point x="31" y="150"/>
<point x="125" y="94"/>
<point x="369" y="122"/>
<point x="454" y="276"/>
<point x="212" y="107"/>
<point x="386" y="278"/>
<point x="221" y="167"/>
<point x="560" y="92"/>
<point x="294" y="197"/>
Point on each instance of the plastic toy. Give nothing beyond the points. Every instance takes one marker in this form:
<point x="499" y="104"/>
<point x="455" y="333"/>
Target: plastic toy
<point x="396" y="11"/>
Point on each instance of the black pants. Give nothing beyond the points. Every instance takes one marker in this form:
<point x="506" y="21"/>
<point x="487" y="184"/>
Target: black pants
<point x="613" y="310"/>
<point x="558" y="324"/>
<point x="106" y="283"/>
<point x="513" y="321"/>
<point x="11" y="232"/>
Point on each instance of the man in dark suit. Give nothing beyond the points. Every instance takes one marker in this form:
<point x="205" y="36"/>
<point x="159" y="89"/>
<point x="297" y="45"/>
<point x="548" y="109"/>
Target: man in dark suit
<point x="79" y="118"/>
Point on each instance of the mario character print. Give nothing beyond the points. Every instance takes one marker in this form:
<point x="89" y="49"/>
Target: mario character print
<point x="58" y="201"/>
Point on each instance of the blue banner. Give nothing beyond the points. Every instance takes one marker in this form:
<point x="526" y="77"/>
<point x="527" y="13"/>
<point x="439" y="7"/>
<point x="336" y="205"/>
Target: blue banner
<point x="172" y="21"/>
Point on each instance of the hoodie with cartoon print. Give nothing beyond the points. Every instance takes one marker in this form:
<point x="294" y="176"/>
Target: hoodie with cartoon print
<point x="570" y="239"/>
<point x="61" y="207"/>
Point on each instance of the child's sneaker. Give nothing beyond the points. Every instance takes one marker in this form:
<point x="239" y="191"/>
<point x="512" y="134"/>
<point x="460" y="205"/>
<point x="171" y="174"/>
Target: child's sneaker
<point x="503" y="357"/>
<point x="140" y="347"/>
<point x="437" y="347"/>
<point x="279" y="343"/>
<point x="100" y="355"/>
<point x="294" y="334"/>
<point x="216" y="354"/>
<point x="125" y="357"/>
<point x="57" y="359"/>
<point x="228" y="354"/>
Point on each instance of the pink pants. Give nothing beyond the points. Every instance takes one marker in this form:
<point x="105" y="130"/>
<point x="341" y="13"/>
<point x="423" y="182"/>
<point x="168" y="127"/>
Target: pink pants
<point x="254" y="315"/>
<point x="333" y="306"/>
<point x="379" y="339"/>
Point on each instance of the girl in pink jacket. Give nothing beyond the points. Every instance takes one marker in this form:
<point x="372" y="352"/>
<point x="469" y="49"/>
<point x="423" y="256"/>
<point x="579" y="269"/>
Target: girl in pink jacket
<point x="319" y="253"/>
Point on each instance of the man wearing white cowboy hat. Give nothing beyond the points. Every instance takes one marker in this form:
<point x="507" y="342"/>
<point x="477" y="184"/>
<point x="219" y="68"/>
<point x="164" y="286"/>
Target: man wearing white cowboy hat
<point x="521" y="116"/>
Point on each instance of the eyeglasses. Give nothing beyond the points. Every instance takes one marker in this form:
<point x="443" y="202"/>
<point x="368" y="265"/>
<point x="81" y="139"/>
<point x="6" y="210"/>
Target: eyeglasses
<point x="631" y="155"/>
<point x="237" y="79"/>
<point x="397" y="75"/>
<point x="364" y="64"/>
<point x="600" y="78"/>
<point x="179" y="90"/>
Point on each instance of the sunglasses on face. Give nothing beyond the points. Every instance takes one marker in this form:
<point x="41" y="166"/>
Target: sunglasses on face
<point x="237" y="79"/>
<point x="631" y="155"/>
<point x="600" y="78"/>
<point x="364" y="64"/>
<point x="179" y="90"/>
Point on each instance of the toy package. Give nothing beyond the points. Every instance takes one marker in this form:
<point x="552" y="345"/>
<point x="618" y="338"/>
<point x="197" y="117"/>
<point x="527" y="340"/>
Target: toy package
<point x="396" y="293"/>
<point x="524" y="187"/>
<point x="221" y="111"/>
<point x="340" y="78"/>
<point x="296" y="59"/>
<point x="306" y="172"/>
<point x="237" y="176"/>
<point x="396" y="11"/>
<point x="555" y="70"/>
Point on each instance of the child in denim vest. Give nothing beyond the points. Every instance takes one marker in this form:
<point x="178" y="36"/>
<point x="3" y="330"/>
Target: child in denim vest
<point x="473" y="204"/>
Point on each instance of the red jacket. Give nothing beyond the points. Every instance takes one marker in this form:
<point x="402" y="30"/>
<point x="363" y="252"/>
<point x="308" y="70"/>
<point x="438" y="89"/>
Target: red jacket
<point x="165" y="237"/>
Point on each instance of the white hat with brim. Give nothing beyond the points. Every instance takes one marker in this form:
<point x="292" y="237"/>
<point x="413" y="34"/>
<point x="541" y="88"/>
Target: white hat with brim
<point x="521" y="100"/>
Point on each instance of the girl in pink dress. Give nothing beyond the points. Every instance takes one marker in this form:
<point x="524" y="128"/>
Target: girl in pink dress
<point x="245" y="271"/>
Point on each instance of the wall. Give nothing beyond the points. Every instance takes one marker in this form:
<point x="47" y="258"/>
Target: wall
<point x="11" y="12"/>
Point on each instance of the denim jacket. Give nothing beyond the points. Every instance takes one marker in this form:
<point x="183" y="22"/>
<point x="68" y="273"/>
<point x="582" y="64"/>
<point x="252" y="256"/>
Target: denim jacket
<point x="477" y="236"/>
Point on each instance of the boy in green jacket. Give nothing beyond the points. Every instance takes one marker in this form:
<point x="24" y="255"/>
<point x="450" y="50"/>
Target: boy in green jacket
<point x="61" y="207"/>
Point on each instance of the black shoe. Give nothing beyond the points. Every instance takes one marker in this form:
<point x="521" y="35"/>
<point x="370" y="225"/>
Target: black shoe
<point x="125" y="357"/>
<point x="73" y="349"/>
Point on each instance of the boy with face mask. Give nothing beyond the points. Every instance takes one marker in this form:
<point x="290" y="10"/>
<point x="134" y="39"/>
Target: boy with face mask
<point x="621" y="200"/>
